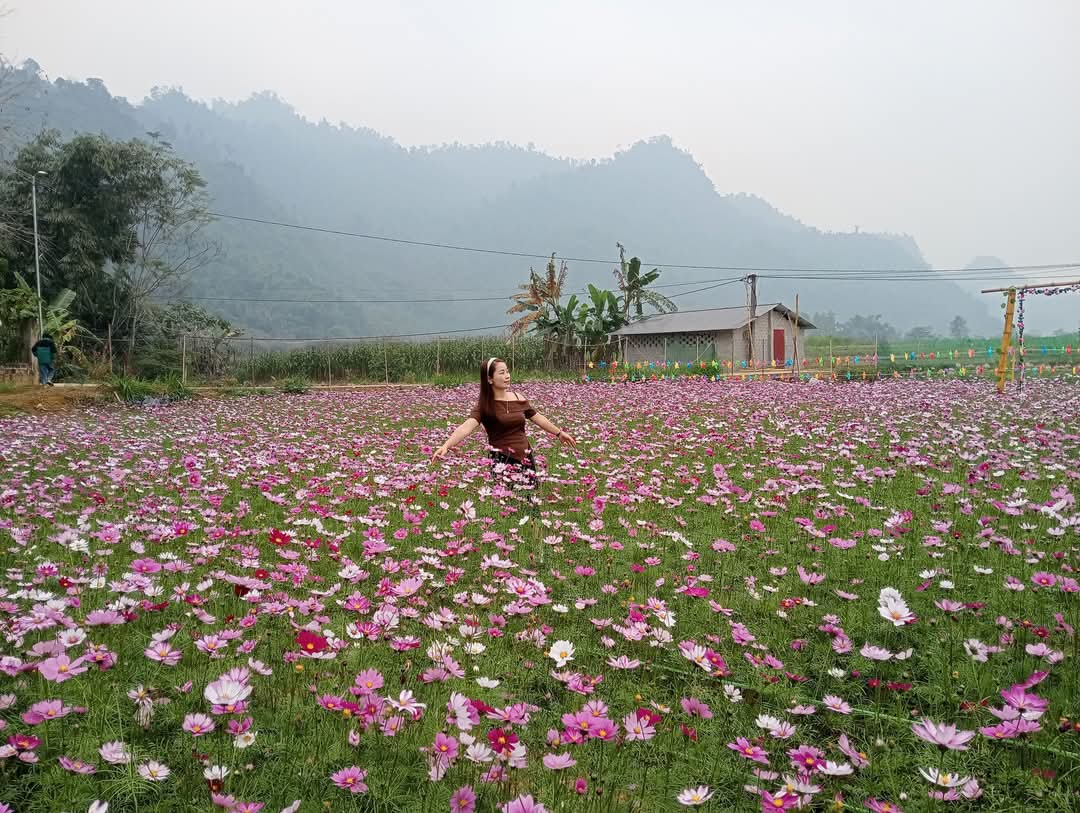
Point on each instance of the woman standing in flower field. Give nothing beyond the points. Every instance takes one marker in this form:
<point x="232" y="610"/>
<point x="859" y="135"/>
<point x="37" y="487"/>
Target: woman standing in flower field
<point x="502" y="413"/>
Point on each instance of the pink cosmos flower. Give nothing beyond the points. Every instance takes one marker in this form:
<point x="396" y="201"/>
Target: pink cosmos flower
<point x="523" y="804"/>
<point x="558" y="762"/>
<point x="878" y="806"/>
<point x="61" y="668"/>
<point x="76" y="765"/>
<point x="463" y="800"/>
<point x="445" y="747"/>
<point x="197" y="725"/>
<point x="943" y="736"/>
<point x="45" y="710"/>
<point x="746" y="749"/>
<point x="782" y="801"/>
<point x="696" y="708"/>
<point x="637" y="728"/>
<point x="350" y="779"/>
<point x="115" y="753"/>
<point x="807" y="758"/>
<point x="163" y="652"/>
<point x="837" y="704"/>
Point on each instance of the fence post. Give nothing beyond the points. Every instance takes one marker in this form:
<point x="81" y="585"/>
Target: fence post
<point x="252" y="343"/>
<point x="438" y="348"/>
<point x="183" y="359"/>
<point x="386" y="364"/>
<point x="665" y="351"/>
<point x="513" y="351"/>
<point x="108" y="341"/>
<point x="329" y="373"/>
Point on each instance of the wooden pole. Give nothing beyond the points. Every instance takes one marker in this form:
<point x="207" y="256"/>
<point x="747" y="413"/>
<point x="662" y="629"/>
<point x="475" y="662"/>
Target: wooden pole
<point x="183" y="359"/>
<point x="108" y="345"/>
<point x="329" y="373"/>
<point x="386" y="363"/>
<point x="1006" y="340"/>
<point x="513" y="351"/>
<point x="252" y="343"/>
<point x="795" y="342"/>
<point x="438" y="348"/>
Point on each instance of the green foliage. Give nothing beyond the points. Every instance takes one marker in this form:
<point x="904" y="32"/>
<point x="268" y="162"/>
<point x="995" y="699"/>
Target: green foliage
<point x="295" y="386"/>
<point x="118" y="220"/>
<point x="138" y="390"/>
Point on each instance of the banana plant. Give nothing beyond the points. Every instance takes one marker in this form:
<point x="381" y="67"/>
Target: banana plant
<point x="634" y="288"/>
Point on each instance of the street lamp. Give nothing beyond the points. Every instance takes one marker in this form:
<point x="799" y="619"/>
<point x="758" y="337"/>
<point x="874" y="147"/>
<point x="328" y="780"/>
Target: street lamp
<point x="37" y="251"/>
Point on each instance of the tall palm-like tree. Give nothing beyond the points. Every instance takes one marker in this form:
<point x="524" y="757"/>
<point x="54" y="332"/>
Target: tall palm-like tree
<point x="634" y="287"/>
<point x="537" y="296"/>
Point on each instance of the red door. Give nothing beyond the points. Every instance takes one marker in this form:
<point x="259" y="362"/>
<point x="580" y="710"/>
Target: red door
<point x="778" y="346"/>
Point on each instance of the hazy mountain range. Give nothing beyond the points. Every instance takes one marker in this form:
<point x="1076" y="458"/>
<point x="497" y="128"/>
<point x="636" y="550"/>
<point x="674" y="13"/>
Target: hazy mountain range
<point x="261" y="160"/>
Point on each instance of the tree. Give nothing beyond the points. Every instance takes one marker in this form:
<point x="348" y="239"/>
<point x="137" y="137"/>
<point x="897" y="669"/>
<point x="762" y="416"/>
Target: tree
<point x="171" y="211"/>
<point x="868" y="327"/>
<point x="920" y="333"/>
<point x="634" y="287"/>
<point x="958" y="327"/>
<point x="536" y="295"/>
<point x="826" y="323"/>
<point x="120" y="223"/>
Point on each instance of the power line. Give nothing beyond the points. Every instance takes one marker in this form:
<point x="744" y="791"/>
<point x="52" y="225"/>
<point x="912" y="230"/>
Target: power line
<point x="533" y="256"/>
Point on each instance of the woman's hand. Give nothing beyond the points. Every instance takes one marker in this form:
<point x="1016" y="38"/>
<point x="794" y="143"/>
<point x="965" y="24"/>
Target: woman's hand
<point x="568" y="439"/>
<point x="439" y="454"/>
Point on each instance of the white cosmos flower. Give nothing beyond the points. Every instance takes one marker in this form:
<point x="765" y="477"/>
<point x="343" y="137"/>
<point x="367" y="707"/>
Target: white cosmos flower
<point x="945" y="780"/>
<point x="218" y="772"/>
<point x="562" y="652"/>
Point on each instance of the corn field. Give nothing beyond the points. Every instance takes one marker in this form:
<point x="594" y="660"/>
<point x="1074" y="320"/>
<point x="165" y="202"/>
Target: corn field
<point x="261" y="362"/>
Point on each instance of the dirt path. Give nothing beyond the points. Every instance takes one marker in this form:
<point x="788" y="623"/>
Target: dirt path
<point x="35" y="399"/>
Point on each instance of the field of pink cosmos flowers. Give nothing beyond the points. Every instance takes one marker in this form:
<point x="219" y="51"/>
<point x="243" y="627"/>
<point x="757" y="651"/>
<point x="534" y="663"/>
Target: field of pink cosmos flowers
<point x="733" y="596"/>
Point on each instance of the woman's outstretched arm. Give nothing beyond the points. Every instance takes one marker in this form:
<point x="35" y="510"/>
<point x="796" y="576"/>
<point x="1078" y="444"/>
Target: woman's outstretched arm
<point x="552" y="429"/>
<point x="463" y="431"/>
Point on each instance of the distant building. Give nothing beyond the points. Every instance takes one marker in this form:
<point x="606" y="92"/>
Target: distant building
<point x="720" y="334"/>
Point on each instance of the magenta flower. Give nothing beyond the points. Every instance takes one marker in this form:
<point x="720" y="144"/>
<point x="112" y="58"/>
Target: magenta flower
<point x="197" y="725"/>
<point x="1043" y="579"/>
<point x="878" y="806"/>
<point x="943" y="736"/>
<point x="696" y="708"/>
<point x="463" y="800"/>
<point x="445" y="747"/>
<point x="76" y="765"/>
<point x="350" y="779"/>
<point x="746" y="749"/>
<point x="782" y="801"/>
<point x="807" y="758"/>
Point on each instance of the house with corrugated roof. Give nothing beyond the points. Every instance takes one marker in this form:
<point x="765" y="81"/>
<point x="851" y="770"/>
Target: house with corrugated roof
<point x="716" y="334"/>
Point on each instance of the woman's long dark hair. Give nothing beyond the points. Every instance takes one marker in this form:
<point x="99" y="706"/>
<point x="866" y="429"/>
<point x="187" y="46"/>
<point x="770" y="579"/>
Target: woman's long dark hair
<point x="486" y="401"/>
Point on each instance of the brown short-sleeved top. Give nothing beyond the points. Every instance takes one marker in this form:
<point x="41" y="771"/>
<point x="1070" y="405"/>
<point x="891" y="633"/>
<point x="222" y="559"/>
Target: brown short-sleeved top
<point x="506" y="428"/>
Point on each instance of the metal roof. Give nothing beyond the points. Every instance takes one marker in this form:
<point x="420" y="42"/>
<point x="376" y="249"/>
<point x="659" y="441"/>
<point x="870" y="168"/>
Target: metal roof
<point x="703" y="321"/>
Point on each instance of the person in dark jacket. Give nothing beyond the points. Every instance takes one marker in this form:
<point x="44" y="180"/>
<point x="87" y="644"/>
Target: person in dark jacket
<point x="44" y="351"/>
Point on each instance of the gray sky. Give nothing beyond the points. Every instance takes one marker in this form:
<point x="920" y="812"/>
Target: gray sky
<point x="956" y="121"/>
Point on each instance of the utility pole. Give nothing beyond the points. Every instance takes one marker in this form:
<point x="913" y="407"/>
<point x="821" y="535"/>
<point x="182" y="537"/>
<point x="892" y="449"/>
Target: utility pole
<point x="37" y="251"/>
<point x="751" y="280"/>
